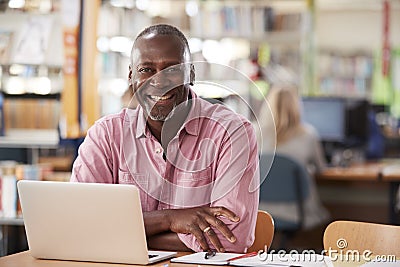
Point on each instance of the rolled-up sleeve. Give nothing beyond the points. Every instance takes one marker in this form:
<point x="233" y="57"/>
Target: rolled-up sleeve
<point x="94" y="164"/>
<point x="236" y="188"/>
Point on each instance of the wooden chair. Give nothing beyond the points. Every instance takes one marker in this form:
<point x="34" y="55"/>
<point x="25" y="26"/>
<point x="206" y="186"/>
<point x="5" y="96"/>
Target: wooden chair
<point x="380" y="239"/>
<point x="264" y="231"/>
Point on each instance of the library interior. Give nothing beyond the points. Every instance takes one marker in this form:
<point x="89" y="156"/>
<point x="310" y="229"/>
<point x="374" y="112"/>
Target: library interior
<point x="64" y="64"/>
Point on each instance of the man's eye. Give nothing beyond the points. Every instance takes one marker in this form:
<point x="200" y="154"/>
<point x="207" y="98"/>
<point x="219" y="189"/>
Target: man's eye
<point x="173" y="69"/>
<point x="145" y="70"/>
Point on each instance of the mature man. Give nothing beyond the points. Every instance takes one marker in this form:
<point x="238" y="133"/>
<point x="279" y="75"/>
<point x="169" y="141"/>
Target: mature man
<point x="196" y="164"/>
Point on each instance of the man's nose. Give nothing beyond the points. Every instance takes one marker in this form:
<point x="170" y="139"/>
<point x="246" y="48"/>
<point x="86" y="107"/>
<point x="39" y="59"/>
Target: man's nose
<point x="159" y="80"/>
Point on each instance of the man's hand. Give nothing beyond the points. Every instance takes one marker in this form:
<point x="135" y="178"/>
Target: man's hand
<point x="202" y="222"/>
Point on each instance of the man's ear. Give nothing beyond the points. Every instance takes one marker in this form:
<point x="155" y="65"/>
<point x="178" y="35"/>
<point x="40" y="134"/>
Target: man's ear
<point x="192" y="75"/>
<point x="130" y="75"/>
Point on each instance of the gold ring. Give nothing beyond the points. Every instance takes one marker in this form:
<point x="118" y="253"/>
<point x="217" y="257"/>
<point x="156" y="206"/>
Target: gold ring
<point x="208" y="228"/>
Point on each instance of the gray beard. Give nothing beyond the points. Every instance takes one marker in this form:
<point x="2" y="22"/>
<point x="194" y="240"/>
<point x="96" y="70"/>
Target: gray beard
<point x="159" y="116"/>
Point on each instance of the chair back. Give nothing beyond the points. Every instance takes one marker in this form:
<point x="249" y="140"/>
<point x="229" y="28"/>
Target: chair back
<point x="287" y="181"/>
<point x="380" y="239"/>
<point x="264" y="232"/>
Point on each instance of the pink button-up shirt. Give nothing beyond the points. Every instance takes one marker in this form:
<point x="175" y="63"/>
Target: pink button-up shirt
<point x="213" y="160"/>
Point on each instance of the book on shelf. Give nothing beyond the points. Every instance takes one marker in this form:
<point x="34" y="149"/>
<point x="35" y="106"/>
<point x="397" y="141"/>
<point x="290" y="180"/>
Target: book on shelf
<point x="31" y="113"/>
<point x="242" y="21"/>
<point x="10" y="173"/>
<point x="5" y="46"/>
<point x="8" y="189"/>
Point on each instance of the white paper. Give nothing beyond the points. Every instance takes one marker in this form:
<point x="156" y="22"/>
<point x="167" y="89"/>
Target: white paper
<point x="272" y="260"/>
<point x="199" y="258"/>
<point x="276" y="260"/>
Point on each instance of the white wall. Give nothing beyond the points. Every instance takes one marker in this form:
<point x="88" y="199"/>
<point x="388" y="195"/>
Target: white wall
<point x="351" y="30"/>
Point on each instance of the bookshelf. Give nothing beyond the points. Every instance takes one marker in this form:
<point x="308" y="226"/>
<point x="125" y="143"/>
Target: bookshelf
<point x="44" y="62"/>
<point x="43" y="56"/>
<point x="345" y="73"/>
<point x="259" y="22"/>
<point x="349" y="54"/>
<point x="31" y="78"/>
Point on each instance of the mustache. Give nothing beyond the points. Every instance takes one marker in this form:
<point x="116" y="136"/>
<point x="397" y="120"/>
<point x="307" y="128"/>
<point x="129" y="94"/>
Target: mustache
<point x="148" y="89"/>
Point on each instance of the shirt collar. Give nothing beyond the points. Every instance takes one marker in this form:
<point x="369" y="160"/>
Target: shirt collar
<point x="192" y="121"/>
<point x="141" y="123"/>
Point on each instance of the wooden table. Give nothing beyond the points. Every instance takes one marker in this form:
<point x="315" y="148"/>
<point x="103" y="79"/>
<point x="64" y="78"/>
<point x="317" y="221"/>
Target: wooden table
<point x="26" y="260"/>
<point x="357" y="172"/>
<point x="391" y="174"/>
<point x="383" y="171"/>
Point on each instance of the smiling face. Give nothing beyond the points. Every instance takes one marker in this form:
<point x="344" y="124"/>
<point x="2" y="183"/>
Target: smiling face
<point x="159" y="74"/>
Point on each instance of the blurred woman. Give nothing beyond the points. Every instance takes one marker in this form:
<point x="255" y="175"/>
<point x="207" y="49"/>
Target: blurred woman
<point x="298" y="140"/>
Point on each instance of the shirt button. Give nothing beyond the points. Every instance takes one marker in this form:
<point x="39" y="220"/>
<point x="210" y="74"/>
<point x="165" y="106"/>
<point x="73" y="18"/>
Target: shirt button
<point x="158" y="150"/>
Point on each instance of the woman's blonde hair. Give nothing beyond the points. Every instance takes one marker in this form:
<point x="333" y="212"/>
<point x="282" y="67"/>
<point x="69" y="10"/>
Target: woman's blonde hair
<point x="285" y="107"/>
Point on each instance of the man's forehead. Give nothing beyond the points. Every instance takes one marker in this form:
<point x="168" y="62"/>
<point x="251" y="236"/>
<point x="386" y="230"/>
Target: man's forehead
<point x="155" y="40"/>
<point x="151" y="45"/>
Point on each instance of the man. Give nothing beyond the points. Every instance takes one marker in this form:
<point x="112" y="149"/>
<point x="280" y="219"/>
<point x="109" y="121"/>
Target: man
<point x="196" y="164"/>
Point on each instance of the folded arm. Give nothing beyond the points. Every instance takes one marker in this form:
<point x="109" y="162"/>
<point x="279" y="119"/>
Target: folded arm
<point x="202" y="223"/>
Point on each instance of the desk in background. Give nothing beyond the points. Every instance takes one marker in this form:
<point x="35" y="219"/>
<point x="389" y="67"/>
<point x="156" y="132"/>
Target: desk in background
<point x="386" y="171"/>
<point x="31" y="139"/>
<point x="356" y="172"/>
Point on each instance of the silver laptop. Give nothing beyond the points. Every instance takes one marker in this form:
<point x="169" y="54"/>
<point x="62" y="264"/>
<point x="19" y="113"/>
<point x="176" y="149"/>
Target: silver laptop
<point x="85" y="222"/>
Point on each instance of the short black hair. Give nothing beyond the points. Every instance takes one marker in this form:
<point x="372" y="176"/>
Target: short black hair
<point x="164" y="29"/>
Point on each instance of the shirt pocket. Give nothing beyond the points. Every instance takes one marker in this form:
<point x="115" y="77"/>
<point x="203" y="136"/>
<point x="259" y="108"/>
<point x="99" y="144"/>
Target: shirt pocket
<point x="140" y="180"/>
<point x="193" y="188"/>
<point x="193" y="178"/>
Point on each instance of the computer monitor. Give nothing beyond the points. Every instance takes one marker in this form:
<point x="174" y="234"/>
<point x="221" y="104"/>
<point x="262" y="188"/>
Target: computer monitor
<point x="357" y="123"/>
<point x="327" y="115"/>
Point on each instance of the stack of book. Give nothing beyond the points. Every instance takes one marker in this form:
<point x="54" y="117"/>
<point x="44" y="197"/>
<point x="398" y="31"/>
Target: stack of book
<point x="10" y="173"/>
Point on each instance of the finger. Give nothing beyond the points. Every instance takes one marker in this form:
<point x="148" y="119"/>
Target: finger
<point x="199" y="235"/>
<point x="212" y="236"/>
<point x="221" y="211"/>
<point x="222" y="227"/>
<point x="219" y="224"/>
